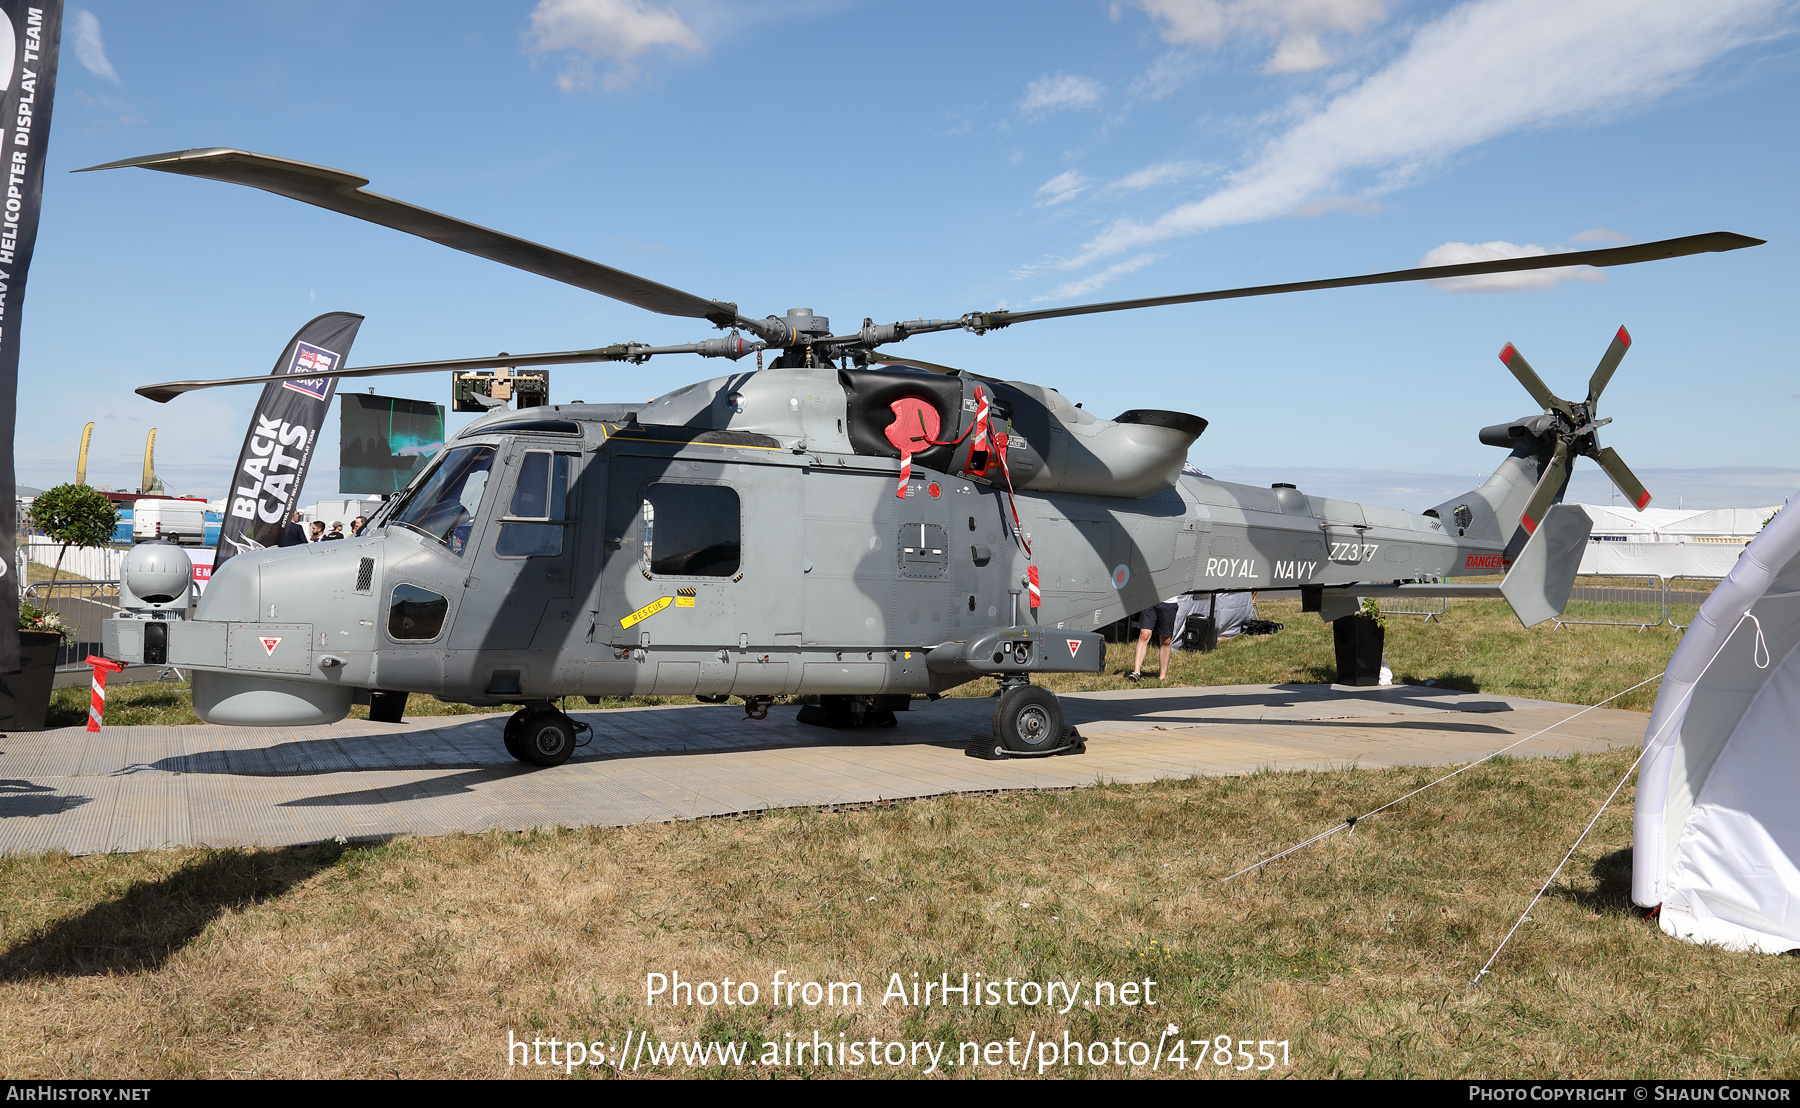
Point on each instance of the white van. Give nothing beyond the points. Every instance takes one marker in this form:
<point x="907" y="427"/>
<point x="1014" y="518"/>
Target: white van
<point x="175" y="520"/>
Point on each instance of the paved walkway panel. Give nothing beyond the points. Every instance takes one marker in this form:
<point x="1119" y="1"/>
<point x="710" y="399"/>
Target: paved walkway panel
<point x="140" y="788"/>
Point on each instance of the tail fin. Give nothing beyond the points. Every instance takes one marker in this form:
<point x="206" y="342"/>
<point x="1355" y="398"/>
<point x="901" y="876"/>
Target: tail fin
<point x="1492" y="513"/>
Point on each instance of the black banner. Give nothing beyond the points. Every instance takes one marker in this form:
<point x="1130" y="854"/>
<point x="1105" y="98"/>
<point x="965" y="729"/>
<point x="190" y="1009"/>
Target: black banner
<point x="29" y="35"/>
<point x="278" y="448"/>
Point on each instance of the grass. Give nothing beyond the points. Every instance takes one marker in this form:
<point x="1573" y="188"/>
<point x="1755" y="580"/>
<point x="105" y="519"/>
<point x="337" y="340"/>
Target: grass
<point x="418" y="957"/>
<point x="1476" y="646"/>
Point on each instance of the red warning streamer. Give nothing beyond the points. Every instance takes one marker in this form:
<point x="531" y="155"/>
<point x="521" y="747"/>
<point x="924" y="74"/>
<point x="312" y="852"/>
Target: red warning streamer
<point x="97" y="701"/>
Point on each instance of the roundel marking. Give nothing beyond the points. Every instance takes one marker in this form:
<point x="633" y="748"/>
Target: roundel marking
<point x="1121" y="574"/>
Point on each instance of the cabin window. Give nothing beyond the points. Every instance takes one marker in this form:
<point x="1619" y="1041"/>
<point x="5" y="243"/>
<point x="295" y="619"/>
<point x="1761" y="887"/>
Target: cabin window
<point x="692" y="530"/>
<point x="416" y="614"/>
<point x="448" y="499"/>
<point x="540" y="493"/>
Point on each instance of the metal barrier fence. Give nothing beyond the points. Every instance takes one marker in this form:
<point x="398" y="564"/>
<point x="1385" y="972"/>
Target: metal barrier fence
<point x="1682" y="597"/>
<point x="82" y="606"/>
<point x="1431" y="607"/>
<point x="1615" y="601"/>
<point x="1602" y="600"/>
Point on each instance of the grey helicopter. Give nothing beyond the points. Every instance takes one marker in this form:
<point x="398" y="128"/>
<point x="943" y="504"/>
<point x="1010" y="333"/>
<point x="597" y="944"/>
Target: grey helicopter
<point x="846" y="523"/>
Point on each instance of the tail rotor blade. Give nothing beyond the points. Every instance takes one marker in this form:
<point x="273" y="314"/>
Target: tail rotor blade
<point x="1622" y="476"/>
<point x="1608" y="363"/>
<point x="1534" y="384"/>
<point x="1548" y="486"/>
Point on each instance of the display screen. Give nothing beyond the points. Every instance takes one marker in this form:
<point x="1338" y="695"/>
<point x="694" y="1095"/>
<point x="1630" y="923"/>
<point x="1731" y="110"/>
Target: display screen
<point x="384" y="441"/>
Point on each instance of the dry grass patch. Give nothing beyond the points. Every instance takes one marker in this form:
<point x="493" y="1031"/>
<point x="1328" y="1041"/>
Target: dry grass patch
<point x="418" y="957"/>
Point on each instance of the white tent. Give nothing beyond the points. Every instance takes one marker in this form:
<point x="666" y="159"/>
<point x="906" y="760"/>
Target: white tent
<point x="1668" y="542"/>
<point x="1717" y="827"/>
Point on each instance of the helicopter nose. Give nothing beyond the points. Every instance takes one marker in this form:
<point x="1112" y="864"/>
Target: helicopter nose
<point x="285" y="637"/>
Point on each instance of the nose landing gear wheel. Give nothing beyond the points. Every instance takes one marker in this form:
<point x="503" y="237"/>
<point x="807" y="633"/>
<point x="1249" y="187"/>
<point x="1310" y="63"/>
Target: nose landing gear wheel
<point x="1028" y="719"/>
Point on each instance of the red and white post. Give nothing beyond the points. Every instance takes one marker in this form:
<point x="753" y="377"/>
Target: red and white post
<point x="97" y="703"/>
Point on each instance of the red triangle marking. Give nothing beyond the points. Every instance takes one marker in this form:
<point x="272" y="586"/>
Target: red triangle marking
<point x="1074" y="646"/>
<point x="269" y="643"/>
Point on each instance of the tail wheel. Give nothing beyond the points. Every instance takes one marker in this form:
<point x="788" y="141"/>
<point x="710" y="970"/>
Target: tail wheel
<point x="1028" y="719"/>
<point x="546" y="738"/>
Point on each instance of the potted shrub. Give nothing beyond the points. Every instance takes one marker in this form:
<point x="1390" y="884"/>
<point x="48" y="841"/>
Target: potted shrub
<point x="1359" y="639"/>
<point x="74" y="515"/>
<point x="26" y="694"/>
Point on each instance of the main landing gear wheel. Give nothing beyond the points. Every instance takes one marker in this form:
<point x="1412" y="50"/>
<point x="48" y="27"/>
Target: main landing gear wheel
<point x="511" y="733"/>
<point x="546" y="738"/>
<point x="1028" y="719"/>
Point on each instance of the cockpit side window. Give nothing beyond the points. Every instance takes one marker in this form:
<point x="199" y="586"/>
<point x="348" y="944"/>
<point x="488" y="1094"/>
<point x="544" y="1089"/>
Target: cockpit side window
<point x="540" y="493"/>
<point x="448" y="499"/>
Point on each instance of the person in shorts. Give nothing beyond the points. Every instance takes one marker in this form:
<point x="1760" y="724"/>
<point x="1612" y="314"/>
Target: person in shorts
<point x="1158" y="620"/>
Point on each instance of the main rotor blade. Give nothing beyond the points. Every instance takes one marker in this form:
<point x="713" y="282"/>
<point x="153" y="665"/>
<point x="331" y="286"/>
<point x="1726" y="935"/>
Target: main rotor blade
<point x="341" y="192"/>
<point x="1610" y="256"/>
<point x="169" y="390"/>
<point x="1622" y="476"/>
<point x="1534" y="384"/>
<point x="1609" y="362"/>
<point x="1548" y="486"/>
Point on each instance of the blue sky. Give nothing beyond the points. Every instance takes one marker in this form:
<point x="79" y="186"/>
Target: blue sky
<point x="897" y="160"/>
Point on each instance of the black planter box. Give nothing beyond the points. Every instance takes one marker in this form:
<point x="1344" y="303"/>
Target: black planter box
<point x="25" y="696"/>
<point x="1359" y="640"/>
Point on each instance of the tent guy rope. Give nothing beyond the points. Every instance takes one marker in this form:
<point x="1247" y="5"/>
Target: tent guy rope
<point x="1350" y="822"/>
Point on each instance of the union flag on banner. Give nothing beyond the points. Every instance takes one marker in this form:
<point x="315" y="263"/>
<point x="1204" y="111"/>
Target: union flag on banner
<point x="310" y="359"/>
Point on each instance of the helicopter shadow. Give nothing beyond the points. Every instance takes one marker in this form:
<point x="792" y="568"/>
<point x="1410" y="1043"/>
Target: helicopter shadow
<point x="1287" y="696"/>
<point x="476" y="745"/>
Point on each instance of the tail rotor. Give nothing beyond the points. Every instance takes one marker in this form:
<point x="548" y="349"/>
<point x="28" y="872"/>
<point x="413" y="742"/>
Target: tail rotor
<point x="1576" y="429"/>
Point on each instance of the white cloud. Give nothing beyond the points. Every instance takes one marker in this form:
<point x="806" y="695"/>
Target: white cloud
<point x="1295" y="25"/>
<point x="1162" y="173"/>
<point x="618" y="30"/>
<point x="1099" y="280"/>
<point x="1166" y="75"/>
<point x="1063" y="186"/>
<point x="1488" y="68"/>
<point x="89" y="50"/>
<point x="1457" y="253"/>
<point x="1058" y="92"/>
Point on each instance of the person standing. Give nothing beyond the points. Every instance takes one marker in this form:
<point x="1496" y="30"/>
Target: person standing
<point x="336" y="532"/>
<point x="296" y="533"/>
<point x="318" y="530"/>
<point x="1158" y="620"/>
<point x="358" y="526"/>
